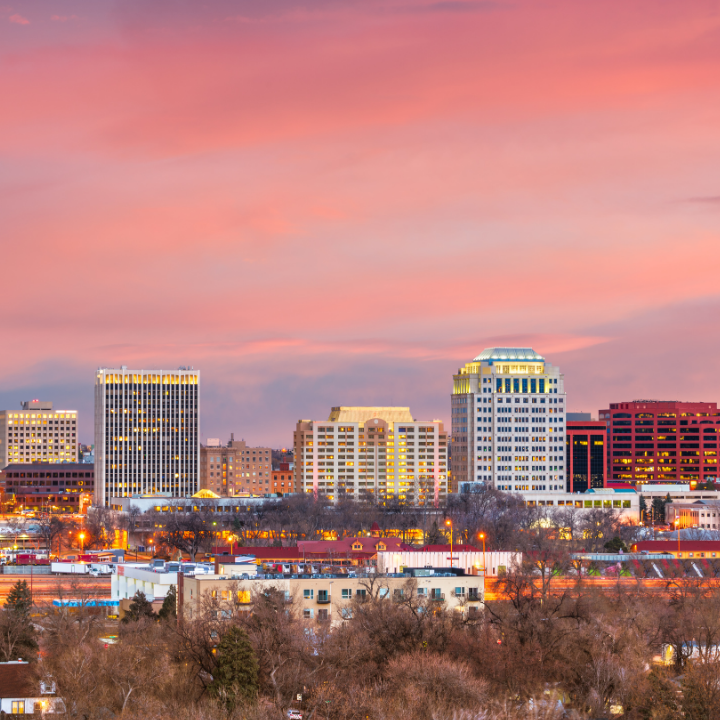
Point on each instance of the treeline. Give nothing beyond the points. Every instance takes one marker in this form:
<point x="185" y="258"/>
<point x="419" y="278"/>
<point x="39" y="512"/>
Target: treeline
<point x="532" y="653"/>
<point x="503" y="518"/>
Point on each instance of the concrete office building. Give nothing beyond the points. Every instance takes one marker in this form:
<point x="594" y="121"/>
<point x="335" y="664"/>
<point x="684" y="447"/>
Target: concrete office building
<point x="146" y="433"/>
<point x="38" y="434"/>
<point x="653" y="441"/>
<point x="234" y="468"/>
<point x="508" y="422"/>
<point x="380" y="454"/>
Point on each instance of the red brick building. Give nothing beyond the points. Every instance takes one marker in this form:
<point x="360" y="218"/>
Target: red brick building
<point x="282" y="480"/>
<point x="662" y="441"/>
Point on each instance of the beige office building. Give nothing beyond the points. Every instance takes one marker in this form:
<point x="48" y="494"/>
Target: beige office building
<point x="234" y="468"/>
<point x="379" y="454"/>
<point x="37" y="434"/>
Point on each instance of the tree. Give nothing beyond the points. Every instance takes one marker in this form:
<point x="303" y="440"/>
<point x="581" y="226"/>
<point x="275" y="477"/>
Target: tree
<point x="19" y="600"/>
<point x="615" y="545"/>
<point x="140" y="607"/>
<point x="236" y="673"/>
<point x="701" y="692"/>
<point x="643" y="509"/>
<point x="17" y="634"/>
<point x="168" y="609"/>
<point x="188" y="532"/>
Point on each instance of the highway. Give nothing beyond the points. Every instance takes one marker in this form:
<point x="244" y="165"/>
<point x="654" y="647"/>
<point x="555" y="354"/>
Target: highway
<point x="48" y="587"/>
<point x="493" y="586"/>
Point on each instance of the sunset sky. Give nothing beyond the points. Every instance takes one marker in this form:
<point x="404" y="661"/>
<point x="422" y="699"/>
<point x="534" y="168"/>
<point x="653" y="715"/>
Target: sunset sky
<point x="339" y="202"/>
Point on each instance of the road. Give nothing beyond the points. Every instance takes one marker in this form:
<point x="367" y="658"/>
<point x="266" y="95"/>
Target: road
<point x="48" y="587"/>
<point x="493" y="586"/>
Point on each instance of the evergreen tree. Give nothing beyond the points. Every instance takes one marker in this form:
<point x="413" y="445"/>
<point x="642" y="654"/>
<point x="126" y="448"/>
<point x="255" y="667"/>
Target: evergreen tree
<point x="16" y="628"/>
<point x="139" y="607"/>
<point x="19" y="600"/>
<point x="643" y="509"/>
<point x="235" y="678"/>
<point x="168" y="609"/>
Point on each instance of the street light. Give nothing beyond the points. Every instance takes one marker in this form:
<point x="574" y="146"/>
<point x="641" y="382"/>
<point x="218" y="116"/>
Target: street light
<point x="482" y="537"/>
<point x="449" y="523"/>
<point x="677" y="530"/>
<point x="82" y="542"/>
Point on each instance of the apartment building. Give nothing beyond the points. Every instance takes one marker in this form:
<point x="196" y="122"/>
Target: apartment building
<point x="146" y="433"/>
<point x="508" y="422"/>
<point x="235" y="468"/>
<point x="657" y="441"/>
<point x="378" y="454"/>
<point x="329" y="598"/>
<point x="38" y="434"/>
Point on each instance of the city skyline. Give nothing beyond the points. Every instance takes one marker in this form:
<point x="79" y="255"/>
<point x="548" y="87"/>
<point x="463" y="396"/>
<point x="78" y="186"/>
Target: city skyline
<point x="322" y="204"/>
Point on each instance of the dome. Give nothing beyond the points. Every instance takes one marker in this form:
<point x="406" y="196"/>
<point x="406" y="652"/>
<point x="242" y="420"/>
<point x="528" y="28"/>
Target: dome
<point x="522" y="354"/>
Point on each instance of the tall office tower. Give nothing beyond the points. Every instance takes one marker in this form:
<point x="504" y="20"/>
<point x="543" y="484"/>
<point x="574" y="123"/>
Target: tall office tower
<point x="379" y="454"/>
<point x="508" y="422"/>
<point x="146" y="433"/>
<point x="37" y="433"/>
<point x="662" y="441"/>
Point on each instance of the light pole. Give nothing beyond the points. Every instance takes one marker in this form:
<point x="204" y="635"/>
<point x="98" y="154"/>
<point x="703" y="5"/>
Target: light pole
<point x="449" y="523"/>
<point x="677" y="530"/>
<point x="484" y="568"/>
<point x="82" y="542"/>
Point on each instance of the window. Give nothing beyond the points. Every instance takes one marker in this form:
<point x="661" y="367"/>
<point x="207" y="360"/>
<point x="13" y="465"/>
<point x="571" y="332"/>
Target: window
<point x="323" y="615"/>
<point x="460" y="591"/>
<point x="18" y="707"/>
<point x="361" y="593"/>
<point x="422" y="591"/>
<point x="309" y="594"/>
<point x="308" y="614"/>
<point x="346" y="594"/>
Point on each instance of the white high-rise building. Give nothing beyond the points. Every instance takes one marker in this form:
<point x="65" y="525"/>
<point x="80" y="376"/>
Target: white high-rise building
<point x="508" y="422"/>
<point x="146" y="433"/>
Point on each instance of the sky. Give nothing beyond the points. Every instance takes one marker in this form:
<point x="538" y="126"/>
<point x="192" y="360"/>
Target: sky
<point x="340" y="202"/>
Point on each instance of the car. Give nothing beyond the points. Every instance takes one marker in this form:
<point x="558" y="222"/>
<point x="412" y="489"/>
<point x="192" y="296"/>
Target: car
<point x="294" y="715"/>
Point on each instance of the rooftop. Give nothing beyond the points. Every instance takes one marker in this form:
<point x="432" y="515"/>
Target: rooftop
<point x="525" y="354"/>
<point x="363" y="414"/>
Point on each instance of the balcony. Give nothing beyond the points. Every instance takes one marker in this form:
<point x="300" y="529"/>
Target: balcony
<point x="437" y="597"/>
<point x="474" y="597"/>
<point x="323" y="598"/>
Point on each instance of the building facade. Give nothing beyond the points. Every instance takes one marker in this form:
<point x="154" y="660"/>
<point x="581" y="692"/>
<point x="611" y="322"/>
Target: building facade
<point x="508" y="422"/>
<point x="235" y="468"/>
<point x="283" y="480"/>
<point x="37" y="434"/>
<point x="662" y="441"/>
<point x="66" y="488"/>
<point x="585" y="455"/>
<point x="146" y="433"/>
<point x="327" y="597"/>
<point x="378" y="454"/>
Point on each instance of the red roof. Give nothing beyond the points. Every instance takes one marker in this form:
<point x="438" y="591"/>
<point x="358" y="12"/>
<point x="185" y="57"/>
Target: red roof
<point x="261" y="553"/>
<point x="17" y="681"/>
<point x="671" y="546"/>
<point x="349" y="546"/>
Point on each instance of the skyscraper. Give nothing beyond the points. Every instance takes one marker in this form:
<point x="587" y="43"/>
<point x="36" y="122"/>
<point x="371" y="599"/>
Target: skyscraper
<point x="508" y="421"/>
<point x="146" y="433"/>
<point x="37" y="433"/>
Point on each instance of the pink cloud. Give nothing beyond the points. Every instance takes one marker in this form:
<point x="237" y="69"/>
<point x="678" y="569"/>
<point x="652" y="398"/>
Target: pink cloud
<point x="18" y="19"/>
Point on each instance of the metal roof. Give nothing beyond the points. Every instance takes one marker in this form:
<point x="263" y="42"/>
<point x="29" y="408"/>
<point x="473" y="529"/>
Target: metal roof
<point x="509" y="354"/>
